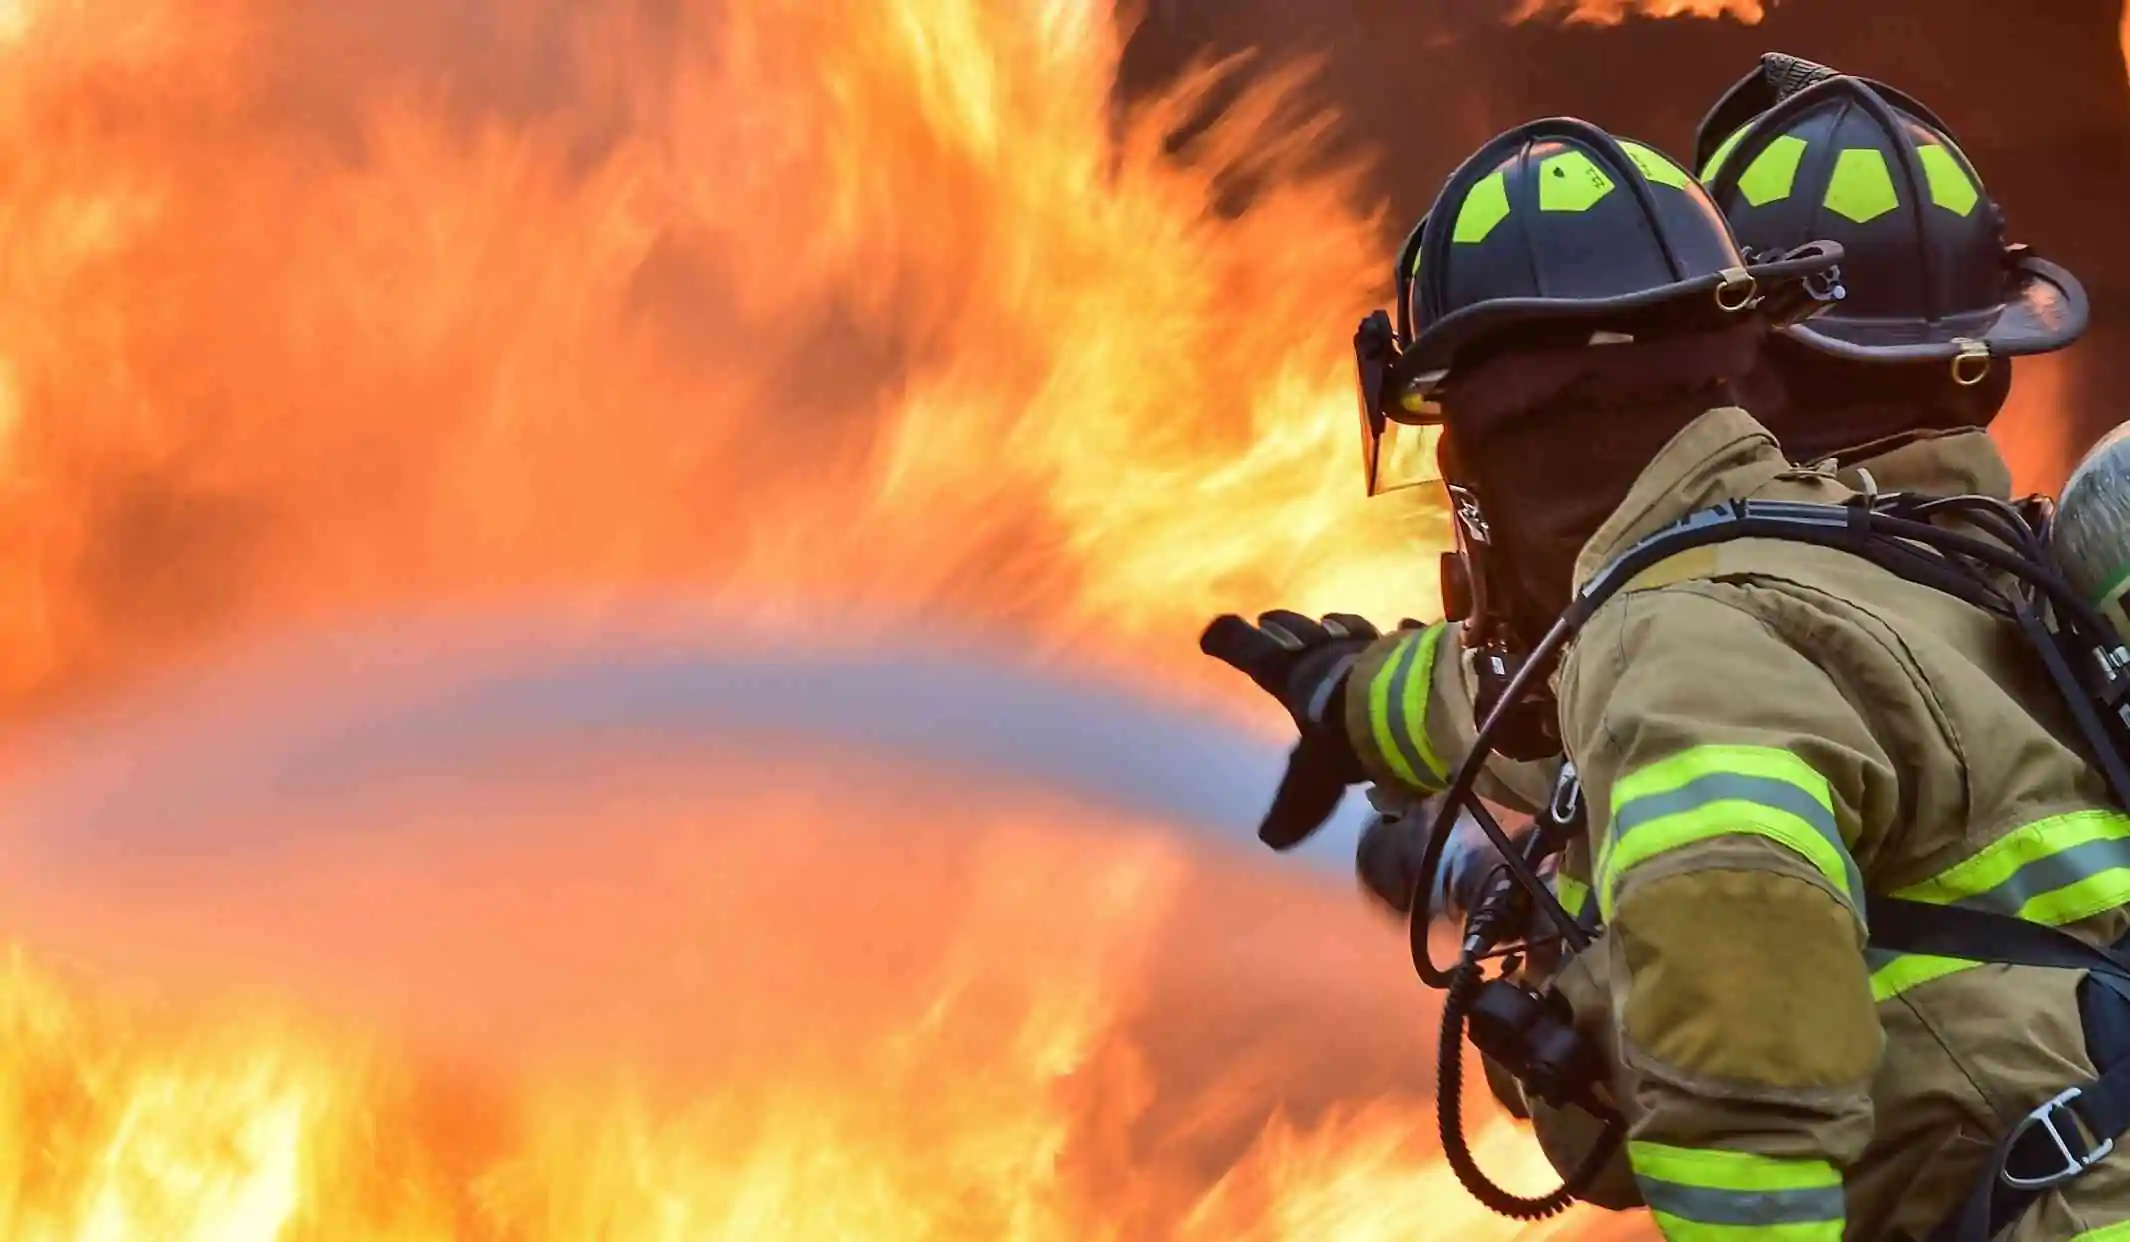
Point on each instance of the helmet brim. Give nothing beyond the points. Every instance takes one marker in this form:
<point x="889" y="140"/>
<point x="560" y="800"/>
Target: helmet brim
<point x="2048" y="312"/>
<point x="1706" y="302"/>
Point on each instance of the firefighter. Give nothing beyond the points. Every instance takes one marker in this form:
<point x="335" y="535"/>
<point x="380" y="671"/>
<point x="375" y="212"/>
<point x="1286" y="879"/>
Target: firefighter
<point x="1894" y="388"/>
<point x="1765" y="731"/>
<point x="1937" y="304"/>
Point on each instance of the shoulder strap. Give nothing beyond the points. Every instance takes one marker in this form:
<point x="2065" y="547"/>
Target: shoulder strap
<point x="1980" y="936"/>
<point x="1704" y="562"/>
<point x="2065" y="1136"/>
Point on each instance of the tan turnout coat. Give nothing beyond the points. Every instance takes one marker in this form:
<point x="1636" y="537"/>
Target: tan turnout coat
<point x="1765" y="731"/>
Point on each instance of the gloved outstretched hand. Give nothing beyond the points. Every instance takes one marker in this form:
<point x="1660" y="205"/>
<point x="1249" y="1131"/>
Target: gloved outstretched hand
<point x="1303" y="664"/>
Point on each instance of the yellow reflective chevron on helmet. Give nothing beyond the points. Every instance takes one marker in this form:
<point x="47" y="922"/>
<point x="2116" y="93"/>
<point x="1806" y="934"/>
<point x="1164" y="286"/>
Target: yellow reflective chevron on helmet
<point x="1654" y="166"/>
<point x="1950" y="186"/>
<point x="1862" y="186"/>
<point x="1730" y="144"/>
<point x="1771" y="174"/>
<point x="1486" y="206"/>
<point x="1571" y="181"/>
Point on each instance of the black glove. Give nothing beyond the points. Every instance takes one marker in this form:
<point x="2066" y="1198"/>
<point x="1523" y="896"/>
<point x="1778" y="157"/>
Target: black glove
<point x="1387" y="857"/>
<point x="1393" y="845"/>
<point x="1303" y="664"/>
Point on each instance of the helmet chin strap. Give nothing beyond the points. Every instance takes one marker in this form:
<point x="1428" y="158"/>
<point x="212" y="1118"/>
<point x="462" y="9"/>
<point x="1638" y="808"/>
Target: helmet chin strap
<point x="1496" y="631"/>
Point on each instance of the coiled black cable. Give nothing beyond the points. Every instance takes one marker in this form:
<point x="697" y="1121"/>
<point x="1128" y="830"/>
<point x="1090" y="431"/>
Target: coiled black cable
<point x="1464" y="983"/>
<point x="1899" y="537"/>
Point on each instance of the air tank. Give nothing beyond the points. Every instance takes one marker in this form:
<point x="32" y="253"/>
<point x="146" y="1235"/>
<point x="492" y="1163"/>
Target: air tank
<point x="2091" y="540"/>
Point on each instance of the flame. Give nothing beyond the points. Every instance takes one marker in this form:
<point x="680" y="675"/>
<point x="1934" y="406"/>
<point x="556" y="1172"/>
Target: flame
<point x="829" y="316"/>
<point x="2031" y="431"/>
<point x="1065" y="1037"/>
<point x="844" y="312"/>
<point x="1613" y="12"/>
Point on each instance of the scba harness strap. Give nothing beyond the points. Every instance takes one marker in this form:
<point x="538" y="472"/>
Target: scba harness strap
<point x="2070" y="1133"/>
<point x="1895" y="532"/>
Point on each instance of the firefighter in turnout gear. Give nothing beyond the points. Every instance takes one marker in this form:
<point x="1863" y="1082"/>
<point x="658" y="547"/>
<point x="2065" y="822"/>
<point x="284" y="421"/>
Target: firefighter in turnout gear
<point x="1767" y="732"/>
<point x="1938" y="304"/>
<point x="1893" y="388"/>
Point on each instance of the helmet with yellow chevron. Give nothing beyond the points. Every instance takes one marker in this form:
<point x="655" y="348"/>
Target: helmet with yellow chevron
<point x="1557" y="233"/>
<point x="1796" y="150"/>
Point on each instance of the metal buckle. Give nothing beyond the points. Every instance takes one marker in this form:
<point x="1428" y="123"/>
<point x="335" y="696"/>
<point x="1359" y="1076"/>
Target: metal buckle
<point x="1826" y="286"/>
<point x="1971" y="365"/>
<point x="1737" y="290"/>
<point x="2074" y="1163"/>
<point x="1567" y="794"/>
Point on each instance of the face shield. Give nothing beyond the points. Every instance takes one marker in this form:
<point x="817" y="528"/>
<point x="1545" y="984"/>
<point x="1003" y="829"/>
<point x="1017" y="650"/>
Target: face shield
<point x="1401" y="422"/>
<point x="1397" y="454"/>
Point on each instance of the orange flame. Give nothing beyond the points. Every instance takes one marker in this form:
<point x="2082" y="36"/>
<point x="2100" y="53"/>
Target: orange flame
<point x="1046" y="1037"/>
<point x="851" y="312"/>
<point x="1613" y="12"/>
<point x="2031" y="431"/>
<point x="833" y="315"/>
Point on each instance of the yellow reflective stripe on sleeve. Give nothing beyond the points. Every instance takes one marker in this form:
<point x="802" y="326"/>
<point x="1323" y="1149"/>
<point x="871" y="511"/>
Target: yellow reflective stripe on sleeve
<point x="2117" y="1232"/>
<point x="1574" y="895"/>
<point x="1895" y="973"/>
<point x="2056" y="871"/>
<point x="1678" y="1229"/>
<point x="1717" y="1169"/>
<point x="1714" y="791"/>
<point x="2078" y="901"/>
<point x="1732" y="1196"/>
<point x="1397" y="710"/>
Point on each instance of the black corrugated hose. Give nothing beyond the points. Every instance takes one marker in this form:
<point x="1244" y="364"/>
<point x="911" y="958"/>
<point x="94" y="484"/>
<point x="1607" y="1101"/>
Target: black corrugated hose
<point x="1465" y="979"/>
